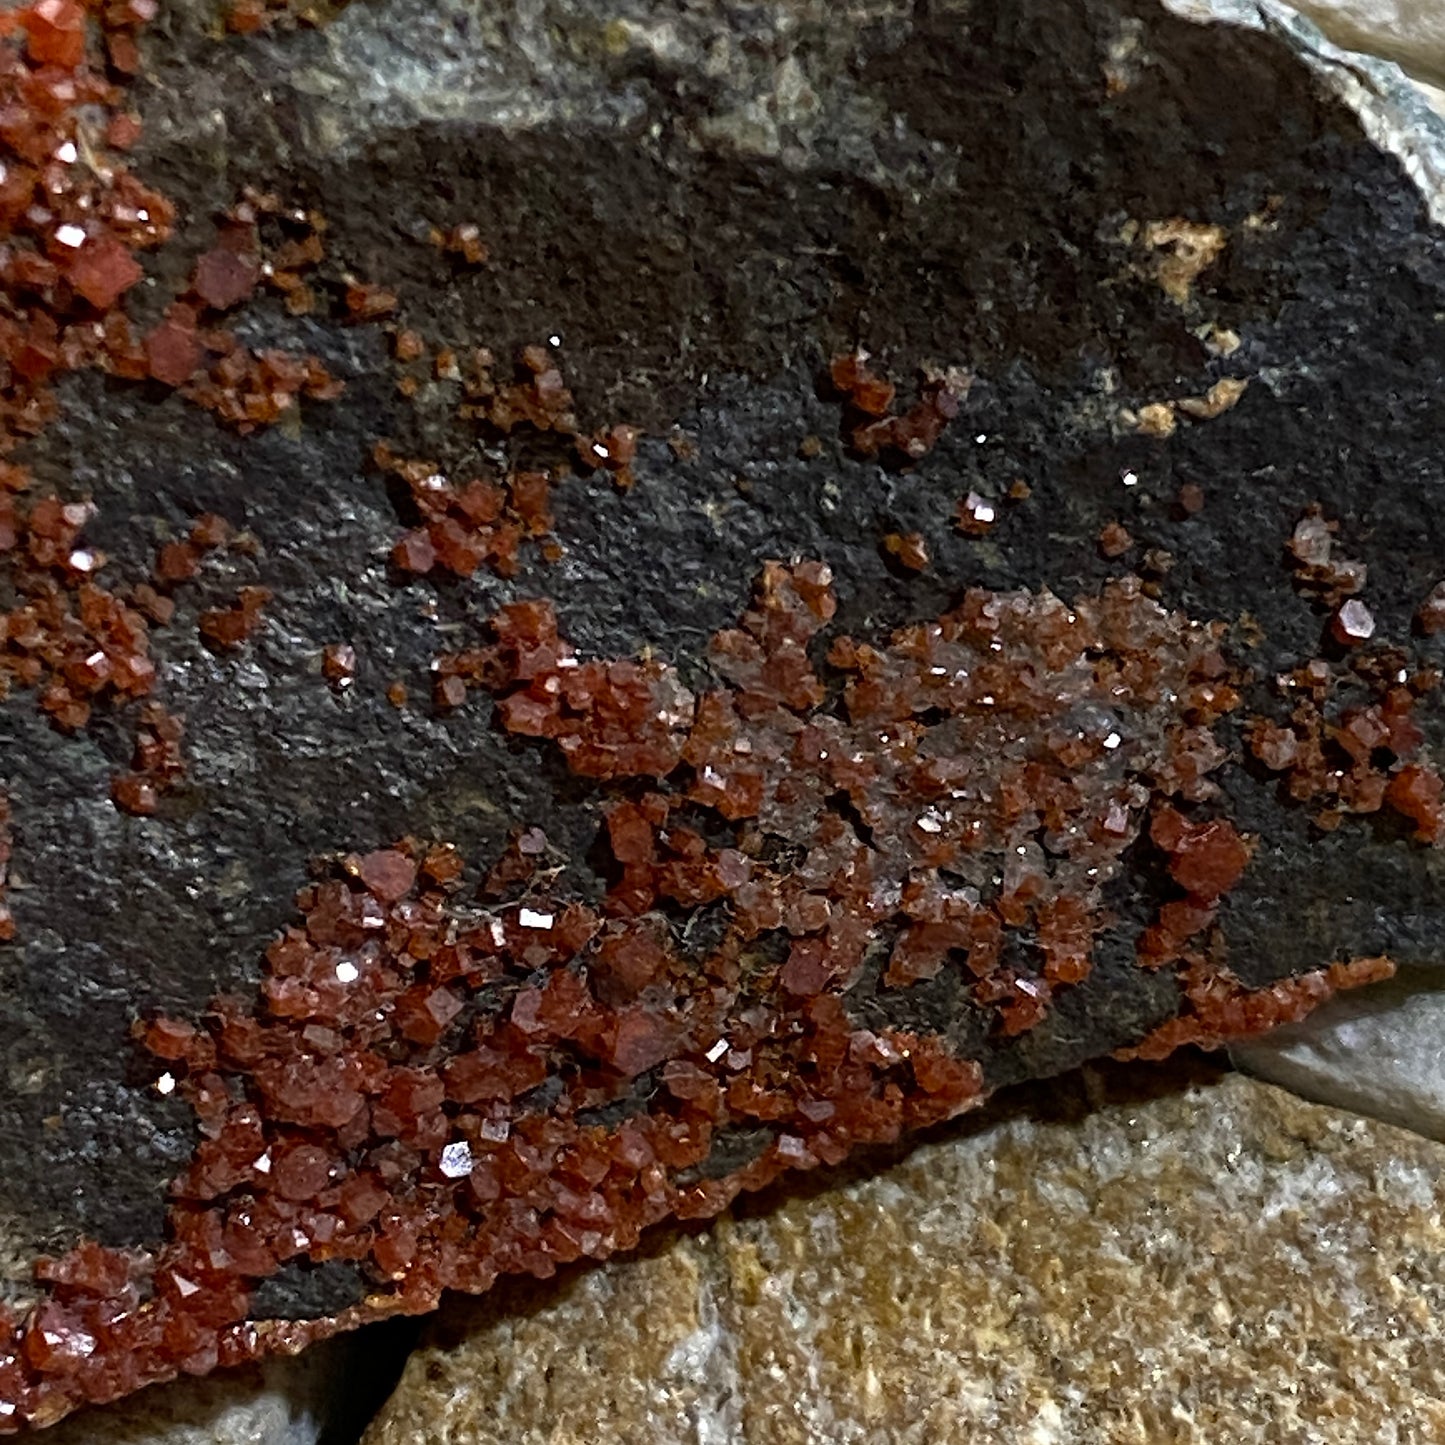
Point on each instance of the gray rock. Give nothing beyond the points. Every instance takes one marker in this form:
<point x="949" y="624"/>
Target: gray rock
<point x="1381" y="1053"/>
<point x="1411" y="32"/>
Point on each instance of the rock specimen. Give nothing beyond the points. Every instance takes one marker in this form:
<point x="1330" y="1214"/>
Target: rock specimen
<point x="587" y="619"/>
<point x="1071" y="1268"/>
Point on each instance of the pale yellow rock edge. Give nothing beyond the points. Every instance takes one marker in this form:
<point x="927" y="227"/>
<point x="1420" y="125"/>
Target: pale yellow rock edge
<point x="1223" y="1264"/>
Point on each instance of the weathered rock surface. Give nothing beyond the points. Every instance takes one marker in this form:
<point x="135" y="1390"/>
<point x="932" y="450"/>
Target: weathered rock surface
<point x="1140" y="1263"/>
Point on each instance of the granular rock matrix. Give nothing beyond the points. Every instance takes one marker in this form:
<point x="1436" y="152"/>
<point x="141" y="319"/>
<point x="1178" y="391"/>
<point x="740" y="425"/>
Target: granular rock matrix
<point x="321" y="537"/>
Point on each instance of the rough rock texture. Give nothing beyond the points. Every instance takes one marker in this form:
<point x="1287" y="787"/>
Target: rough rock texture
<point x="1187" y="324"/>
<point x="1411" y="32"/>
<point x="1383" y="1055"/>
<point x="1138" y="1263"/>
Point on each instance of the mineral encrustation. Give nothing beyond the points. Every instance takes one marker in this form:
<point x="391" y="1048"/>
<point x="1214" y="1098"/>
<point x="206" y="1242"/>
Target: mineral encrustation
<point x="600" y="603"/>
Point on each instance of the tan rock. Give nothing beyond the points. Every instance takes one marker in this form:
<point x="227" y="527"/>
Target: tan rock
<point x="1157" y="419"/>
<point x="615" y="1354"/>
<point x="1411" y="32"/>
<point x="1183" y="251"/>
<point x="1214" y="1261"/>
<point x="1223" y="396"/>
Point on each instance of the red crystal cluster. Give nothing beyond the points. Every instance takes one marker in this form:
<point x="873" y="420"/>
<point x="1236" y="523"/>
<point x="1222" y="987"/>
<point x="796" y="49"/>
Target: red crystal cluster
<point x="70" y="214"/>
<point x="157" y="765"/>
<point x="1220" y="1008"/>
<point x="611" y="719"/>
<point x="1318" y="570"/>
<point x="1347" y="758"/>
<point x="536" y="396"/>
<point x="1430" y="616"/>
<point x="462" y="241"/>
<point x="870" y="425"/>
<point x="67" y="233"/>
<point x="467" y="524"/>
<point x="1334" y="580"/>
<point x="181" y="560"/>
<point x="1349" y="744"/>
<point x="365" y="302"/>
<point x="245" y="389"/>
<point x="1114" y="540"/>
<point x="613" y="450"/>
<point x="66" y="636"/>
<point x="228" y="627"/>
<point x="377" y="1109"/>
<point x="250" y="17"/>
<point x="249" y="389"/>
<point x="79" y="644"/>
<point x="339" y="665"/>
<point x="69" y="229"/>
<point x="981" y="782"/>
<point x="1206" y="860"/>
<point x="908" y="549"/>
<point x="443" y="1089"/>
<point x="464" y="525"/>
<point x="976" y="515"/>
<point x="288" y="246"/>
